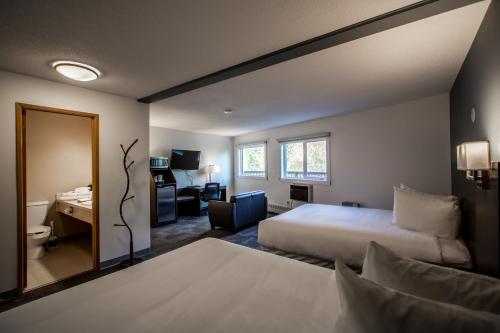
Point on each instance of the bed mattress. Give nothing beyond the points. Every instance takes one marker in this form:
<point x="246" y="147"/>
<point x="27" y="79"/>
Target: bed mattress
<point x="333" y="232"/>
<point x="207" y="286"/>
<point x="301" y="257"/>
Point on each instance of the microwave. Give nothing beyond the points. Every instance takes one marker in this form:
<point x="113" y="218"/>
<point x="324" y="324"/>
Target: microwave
<point x="158" y="162"/>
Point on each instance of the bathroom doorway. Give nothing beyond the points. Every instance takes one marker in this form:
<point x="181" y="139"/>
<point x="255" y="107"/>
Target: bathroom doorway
<point x="58" y="194"/>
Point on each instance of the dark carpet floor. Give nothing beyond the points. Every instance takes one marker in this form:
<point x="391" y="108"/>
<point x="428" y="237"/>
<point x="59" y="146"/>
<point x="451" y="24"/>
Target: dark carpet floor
<point x="190" y="229"/>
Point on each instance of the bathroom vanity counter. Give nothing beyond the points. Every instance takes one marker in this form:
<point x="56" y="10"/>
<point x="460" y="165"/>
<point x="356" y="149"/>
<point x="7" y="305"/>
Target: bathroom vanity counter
<point x="73" y="208"/>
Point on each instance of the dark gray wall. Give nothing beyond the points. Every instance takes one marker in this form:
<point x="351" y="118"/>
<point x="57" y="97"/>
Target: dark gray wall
<point x="478" y="86"/>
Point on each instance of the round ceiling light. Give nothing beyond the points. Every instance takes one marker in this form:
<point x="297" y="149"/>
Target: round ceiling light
<point x="76" y="70"/>
<point x="228" y="111"/>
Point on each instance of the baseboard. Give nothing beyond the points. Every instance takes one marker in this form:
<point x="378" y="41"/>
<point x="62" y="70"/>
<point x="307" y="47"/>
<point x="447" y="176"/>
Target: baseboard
<point x="115" y="261"/>
<point x="6" y="295"/>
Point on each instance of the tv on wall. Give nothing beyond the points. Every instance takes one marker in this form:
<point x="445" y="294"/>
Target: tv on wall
<point x="185" y="159"/>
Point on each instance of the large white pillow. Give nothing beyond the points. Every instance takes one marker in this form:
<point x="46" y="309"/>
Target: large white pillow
<point x="428" y="213"/>
<point x="368" y="307"/>
<point x="437" y="196"/>
<point x="442" y="284"/>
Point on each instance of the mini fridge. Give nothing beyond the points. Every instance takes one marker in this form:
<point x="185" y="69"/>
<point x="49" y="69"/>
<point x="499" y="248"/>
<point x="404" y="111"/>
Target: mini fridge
<point x="166" y="206"/>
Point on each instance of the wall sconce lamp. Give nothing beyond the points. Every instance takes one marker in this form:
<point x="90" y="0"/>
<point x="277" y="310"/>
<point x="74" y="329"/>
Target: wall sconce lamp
<point x="212" y="168"/>
<point x="474" y="158"/>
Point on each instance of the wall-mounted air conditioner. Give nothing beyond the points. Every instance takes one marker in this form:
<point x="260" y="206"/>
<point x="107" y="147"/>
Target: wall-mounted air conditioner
<point x="301" y="192"/>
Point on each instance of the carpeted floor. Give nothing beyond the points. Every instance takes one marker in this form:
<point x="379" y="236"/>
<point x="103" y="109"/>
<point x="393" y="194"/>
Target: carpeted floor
<point x="189" y="229"/>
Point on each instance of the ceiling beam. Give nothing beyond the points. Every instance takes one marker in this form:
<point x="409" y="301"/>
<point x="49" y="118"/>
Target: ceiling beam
<point x="393" y="19"/>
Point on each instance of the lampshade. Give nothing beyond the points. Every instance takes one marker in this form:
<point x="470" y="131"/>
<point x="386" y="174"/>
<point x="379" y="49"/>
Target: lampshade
<point x="473" y="156"/>
<point x="213" y="168"/>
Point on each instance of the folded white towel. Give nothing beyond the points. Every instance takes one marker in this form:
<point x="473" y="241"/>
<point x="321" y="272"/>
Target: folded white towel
<point x="66" y="197"/>
<point x="76" y="194"/>
<point x="84" y="200"/>
<point x="82" y="189"/>
<point x="79" y="193"/>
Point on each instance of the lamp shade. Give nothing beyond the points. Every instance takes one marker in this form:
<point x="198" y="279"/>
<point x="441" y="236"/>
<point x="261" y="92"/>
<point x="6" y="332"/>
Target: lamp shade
<point x="212" y="168"/>
<point x="473" y="156"/>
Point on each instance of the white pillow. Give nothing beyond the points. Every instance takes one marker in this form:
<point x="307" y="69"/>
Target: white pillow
<point x="437" y="196"/>
<point x="442" y="284"/>
<point x="369" y="307"/>
<point x="428" y="213"/>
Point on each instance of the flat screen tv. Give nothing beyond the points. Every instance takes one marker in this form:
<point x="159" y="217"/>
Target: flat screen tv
<point x="185" y="159"/>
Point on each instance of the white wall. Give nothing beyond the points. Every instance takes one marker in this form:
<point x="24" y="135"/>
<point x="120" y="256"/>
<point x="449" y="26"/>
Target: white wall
<point x="121" y="121"/>
<point x="370" y="152"/>
<point x="214" y="150"/>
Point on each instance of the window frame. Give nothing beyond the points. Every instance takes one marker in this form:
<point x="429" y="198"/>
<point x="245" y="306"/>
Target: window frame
<point x="304" y="141"/>
<point x="239" y="151"/>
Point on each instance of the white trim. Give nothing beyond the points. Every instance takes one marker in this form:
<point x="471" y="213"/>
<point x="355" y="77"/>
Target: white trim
<point x="239" y="148"/>
<point x="306" y="181"/>
<point x="305" y="137"/>
<point x="253" y="177"/>
<point x="251" y="144"/>
<point x="313" y="181"/>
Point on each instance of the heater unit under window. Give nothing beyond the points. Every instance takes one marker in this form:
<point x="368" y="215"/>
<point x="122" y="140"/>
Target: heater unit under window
<point x="300" y="192"/>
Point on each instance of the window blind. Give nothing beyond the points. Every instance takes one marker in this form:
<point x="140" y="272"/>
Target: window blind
<point x="305" y="137"/>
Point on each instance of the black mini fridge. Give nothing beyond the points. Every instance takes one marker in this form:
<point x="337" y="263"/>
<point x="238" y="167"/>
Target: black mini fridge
<point x="165" y="205"/>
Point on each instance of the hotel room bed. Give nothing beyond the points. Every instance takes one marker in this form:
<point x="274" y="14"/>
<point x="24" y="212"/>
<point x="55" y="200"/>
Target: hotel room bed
<point x="207" y="286"/>
<point x="333" y="232"/>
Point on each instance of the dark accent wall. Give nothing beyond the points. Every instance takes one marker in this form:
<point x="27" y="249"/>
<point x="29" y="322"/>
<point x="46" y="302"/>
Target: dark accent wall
<point x="478" y="86"/>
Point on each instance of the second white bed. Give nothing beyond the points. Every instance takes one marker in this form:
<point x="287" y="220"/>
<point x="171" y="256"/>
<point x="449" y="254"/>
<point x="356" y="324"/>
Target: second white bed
<point x="333" y="232"/>
<point x="207" y="286"/>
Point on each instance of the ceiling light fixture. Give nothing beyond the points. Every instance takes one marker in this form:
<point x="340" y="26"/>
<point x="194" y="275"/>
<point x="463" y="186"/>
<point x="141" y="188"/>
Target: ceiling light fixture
<point x="228" y="111"/>
<point x="76" y="70"/>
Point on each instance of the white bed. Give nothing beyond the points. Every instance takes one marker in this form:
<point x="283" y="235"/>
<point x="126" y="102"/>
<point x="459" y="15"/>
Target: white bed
<point x="333" y="232"/>
<point x="207" y="286"/>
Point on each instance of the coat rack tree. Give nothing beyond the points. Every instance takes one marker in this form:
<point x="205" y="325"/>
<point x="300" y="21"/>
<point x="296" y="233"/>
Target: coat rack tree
<point x="131" y="260"/>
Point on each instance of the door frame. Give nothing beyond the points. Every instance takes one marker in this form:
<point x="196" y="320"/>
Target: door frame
<point x="21" y="109"/>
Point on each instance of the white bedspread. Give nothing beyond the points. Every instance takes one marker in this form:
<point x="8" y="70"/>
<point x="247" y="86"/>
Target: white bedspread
<point x="334" y="232"/>
<point x="207" y="286"/>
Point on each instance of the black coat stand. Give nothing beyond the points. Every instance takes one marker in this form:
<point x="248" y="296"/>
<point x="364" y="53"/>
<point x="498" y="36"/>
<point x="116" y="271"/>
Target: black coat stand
<point x="131" y="260"/>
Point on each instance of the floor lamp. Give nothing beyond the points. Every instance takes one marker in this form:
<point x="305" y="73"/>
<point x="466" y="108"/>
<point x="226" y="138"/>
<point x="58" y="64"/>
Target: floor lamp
<point x="212" y="168"/>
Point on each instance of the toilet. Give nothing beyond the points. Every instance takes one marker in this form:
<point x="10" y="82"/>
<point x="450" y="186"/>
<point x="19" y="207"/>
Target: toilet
<point x="37" y="233"/>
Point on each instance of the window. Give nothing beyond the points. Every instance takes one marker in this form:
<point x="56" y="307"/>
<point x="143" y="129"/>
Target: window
<point x="305" y="158"/>
<point x="252" y="160"/>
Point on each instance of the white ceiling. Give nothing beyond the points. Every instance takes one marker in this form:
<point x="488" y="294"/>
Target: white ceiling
<point x="143" y="47"/>
<point x="409" y="62"/>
